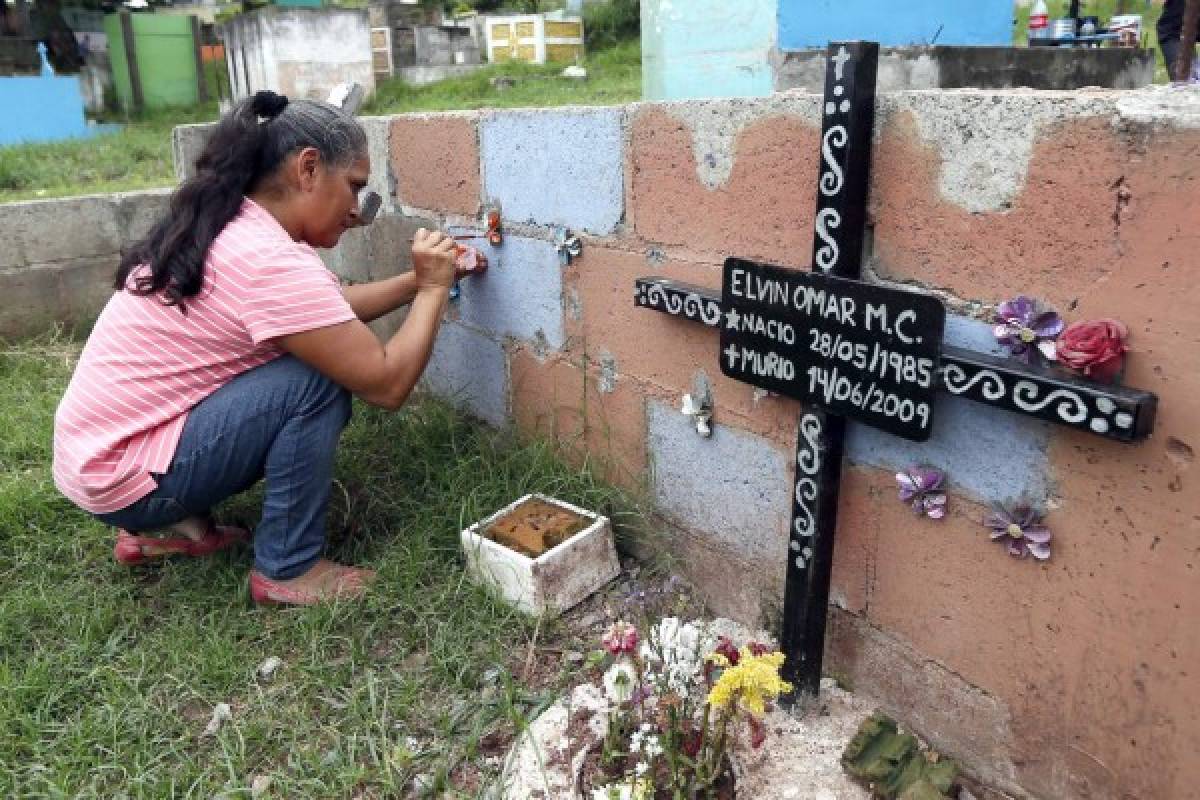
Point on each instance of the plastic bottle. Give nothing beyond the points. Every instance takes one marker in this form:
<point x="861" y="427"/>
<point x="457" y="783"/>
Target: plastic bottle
<point x="1039" y="21"/>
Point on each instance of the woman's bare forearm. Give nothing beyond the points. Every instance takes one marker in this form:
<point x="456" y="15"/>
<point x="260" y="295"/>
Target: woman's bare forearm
<point x="372" y="300"/>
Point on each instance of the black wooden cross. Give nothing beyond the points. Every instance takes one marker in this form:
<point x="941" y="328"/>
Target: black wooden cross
<point x="867" y="352"/>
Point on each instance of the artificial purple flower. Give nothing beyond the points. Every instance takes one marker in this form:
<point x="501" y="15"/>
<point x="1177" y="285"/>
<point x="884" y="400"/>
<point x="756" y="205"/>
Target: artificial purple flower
<point x="919" y="487"/>
<point x="1026" y="329"/>
<point x="1021" y="531"/>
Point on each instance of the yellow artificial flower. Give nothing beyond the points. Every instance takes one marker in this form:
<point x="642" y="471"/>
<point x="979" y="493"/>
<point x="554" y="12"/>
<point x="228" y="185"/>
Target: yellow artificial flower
<point x="753" y="681"/>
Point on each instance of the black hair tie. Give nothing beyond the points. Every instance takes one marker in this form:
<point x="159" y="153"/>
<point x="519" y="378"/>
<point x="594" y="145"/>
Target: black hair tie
<point x="267" y="104"/>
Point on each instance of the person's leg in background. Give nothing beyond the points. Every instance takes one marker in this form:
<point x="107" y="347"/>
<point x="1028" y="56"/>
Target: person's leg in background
<point x="1170" y="51"/>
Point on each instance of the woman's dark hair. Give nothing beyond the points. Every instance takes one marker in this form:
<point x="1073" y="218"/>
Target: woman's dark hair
<point x="247" y="146"/>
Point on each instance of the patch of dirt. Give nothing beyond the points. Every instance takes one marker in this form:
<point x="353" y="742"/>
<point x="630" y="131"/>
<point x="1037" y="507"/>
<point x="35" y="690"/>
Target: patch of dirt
<point x="595" y="774"/>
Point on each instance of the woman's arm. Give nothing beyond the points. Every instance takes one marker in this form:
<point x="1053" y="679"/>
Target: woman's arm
<point x="372" y="300"/>
<point x="383" y="374"/>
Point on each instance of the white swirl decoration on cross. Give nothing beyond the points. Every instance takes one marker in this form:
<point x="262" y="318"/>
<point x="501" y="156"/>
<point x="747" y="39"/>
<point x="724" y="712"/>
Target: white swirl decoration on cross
<point x="831" y="181"/>
<point x="957" y="381"/>
<point x="827" y="255"/>
<point x="808" y="462"/>
<point x="661" y="297"/>
<point x="706" y="310"/>
<point x="1072" y="408"/>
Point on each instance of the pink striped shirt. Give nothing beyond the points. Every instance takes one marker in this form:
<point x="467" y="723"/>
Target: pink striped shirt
<point x="146" y="365"/>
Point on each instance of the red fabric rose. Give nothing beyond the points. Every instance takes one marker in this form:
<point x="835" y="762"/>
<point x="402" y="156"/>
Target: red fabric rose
<point x="1096" y="347"/>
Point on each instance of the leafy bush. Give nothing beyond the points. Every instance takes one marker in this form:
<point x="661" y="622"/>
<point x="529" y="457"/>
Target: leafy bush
<point x="608" y="23"/>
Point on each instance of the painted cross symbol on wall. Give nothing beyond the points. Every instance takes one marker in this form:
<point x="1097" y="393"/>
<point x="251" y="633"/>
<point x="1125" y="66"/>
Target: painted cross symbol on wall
<point x="762" y="346"/>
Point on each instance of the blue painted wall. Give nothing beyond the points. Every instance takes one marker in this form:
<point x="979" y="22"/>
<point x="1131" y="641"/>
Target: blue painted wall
<point x="995" y="456"/>
<point x="555" y="167"/>
<point x="707" y="48"/>
<point x="814" y="23"/>
<point x="45" y="108"/>
<point x="722" y="48"/>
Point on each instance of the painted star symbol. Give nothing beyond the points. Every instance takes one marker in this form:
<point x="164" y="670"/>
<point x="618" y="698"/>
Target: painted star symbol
<point x="732" y="319"/>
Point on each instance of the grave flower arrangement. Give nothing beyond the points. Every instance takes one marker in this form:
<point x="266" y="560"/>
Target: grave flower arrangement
<point x="1094" y="348"/>
<point x="678" y="698"/>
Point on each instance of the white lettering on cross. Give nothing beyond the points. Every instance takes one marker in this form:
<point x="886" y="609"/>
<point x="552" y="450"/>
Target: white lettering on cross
<point x="735" y="282"/>
<point x="907" y="315"/>
<point x="839" y="62"/>
<point x="732" y="353"/>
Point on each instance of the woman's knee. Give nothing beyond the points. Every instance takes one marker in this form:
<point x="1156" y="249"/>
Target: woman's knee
<point x="320" y="391"/>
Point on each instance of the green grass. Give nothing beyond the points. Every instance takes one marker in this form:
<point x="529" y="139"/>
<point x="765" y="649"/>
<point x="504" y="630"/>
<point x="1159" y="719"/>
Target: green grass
<point x="139" y="156"/>
<point x="614" y="77"/>
<point x="136" y="157"/>
<point x="108" y="675"/>
<point x="1104" y="9"/>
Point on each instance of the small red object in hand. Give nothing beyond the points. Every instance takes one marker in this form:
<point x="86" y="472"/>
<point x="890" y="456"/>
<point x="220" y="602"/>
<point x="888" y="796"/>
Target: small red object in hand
<point x="468" y="260"/>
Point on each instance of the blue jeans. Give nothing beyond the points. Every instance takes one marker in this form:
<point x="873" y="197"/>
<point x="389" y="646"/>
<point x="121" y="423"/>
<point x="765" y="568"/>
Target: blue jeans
<point x="280" y="421"/>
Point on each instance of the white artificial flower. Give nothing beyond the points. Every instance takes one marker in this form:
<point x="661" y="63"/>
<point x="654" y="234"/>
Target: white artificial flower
<point x="652" y="747"/>
<point x="641" y="768"/>
<point x="613" y="791"/>
<point x="681" y="648"/>
<point x="635" y="741"/>
<point x="619" y="681"/>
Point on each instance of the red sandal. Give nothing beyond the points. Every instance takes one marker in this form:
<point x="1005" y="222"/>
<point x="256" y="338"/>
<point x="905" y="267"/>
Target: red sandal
<point x="133" y="549"/>
<point x="326" y="581"/>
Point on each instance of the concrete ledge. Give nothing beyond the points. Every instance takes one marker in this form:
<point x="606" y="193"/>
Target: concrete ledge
<point x="37" y="232"/>
<point x="69" y="293"/>
<point x="60" y="256"/>
<point x="950" y="67"/>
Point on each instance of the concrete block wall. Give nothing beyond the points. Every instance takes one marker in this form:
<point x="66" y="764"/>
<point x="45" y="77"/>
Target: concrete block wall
<point x="1060" y="680"/>
<point x="60" y="256"/>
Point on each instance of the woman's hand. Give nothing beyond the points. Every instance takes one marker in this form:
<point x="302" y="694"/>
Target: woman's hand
<point x="433" y="259"/>
<point x="469" y="261"/>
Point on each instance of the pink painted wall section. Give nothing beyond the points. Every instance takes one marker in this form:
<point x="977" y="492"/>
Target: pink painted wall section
<point x="565" y="399"/>
<point x="1067" y="680"/>
<point x="688" y="190"/>
<point x="435" y="160"/>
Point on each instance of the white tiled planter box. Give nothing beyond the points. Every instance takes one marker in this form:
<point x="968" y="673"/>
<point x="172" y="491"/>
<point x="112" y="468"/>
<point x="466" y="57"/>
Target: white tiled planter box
<point x="556" y="580"/>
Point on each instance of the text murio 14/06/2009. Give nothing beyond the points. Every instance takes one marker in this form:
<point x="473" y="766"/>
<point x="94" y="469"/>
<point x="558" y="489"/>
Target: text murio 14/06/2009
<point x="867" y="352"/>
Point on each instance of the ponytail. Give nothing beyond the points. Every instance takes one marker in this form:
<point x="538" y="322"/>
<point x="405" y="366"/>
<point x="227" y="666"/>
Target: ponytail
<point x="247" y="146"/>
